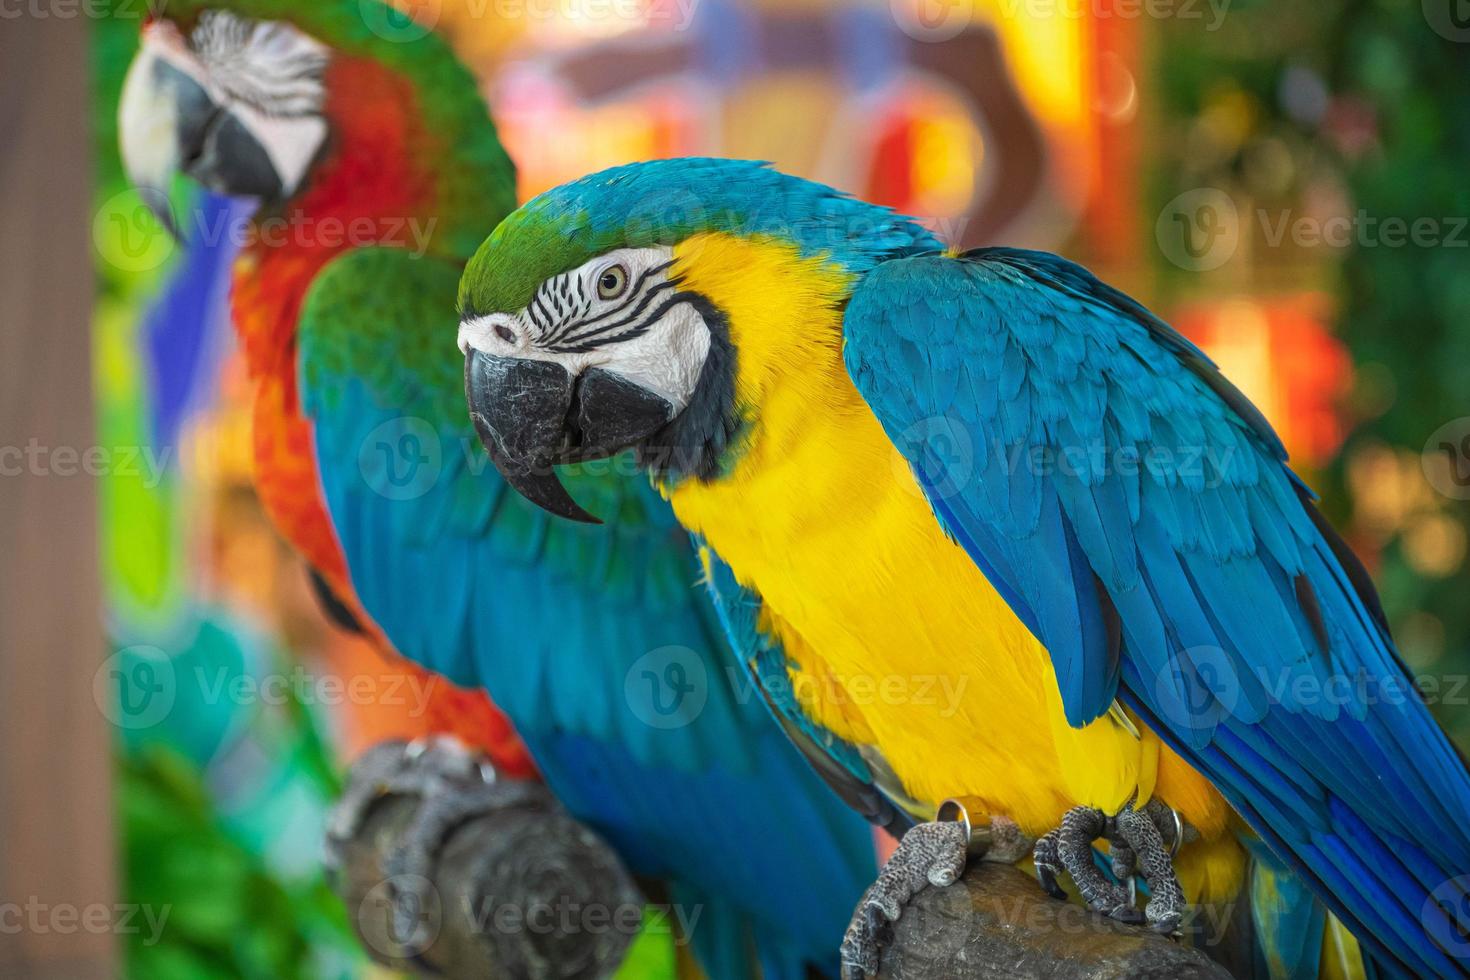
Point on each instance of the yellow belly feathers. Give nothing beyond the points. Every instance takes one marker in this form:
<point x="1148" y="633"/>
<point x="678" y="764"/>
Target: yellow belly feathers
<point x="901" y="642"/>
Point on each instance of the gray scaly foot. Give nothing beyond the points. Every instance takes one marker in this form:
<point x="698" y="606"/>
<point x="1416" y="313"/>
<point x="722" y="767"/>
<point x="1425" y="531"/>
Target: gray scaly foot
<point x="1142" y="832"/>
<point x="454" y="785"/>
<point x="422" y="768"/>
<point x="1069" y="849"/>
<point x="1143" y="842"/>
<point x="929" y="854"/>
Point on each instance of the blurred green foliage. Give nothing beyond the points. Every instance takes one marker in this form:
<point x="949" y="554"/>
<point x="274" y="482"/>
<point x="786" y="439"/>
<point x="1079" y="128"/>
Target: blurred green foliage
<point x="1408" y="308"/>
<point x="1359" y="104"/>
<point x="227" y="915"/>
<point x="221" y="803"/>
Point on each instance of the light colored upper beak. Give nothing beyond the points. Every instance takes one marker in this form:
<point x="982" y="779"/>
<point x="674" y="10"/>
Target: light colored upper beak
<point x="173" y="118"/>
<point x="148" y="125"/>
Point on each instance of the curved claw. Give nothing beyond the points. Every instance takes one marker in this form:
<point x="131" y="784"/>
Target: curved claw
<point x="424" y="767"/>
<point x="1139" y="829"/>
<point x="1139" y="847"/>
<point x="410" y="867"/>
<point x="1080" y="827"/>
<point x="1048" y="862"/>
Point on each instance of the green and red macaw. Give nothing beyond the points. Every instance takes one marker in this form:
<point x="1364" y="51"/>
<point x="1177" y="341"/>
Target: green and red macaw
<point x="991" y="474"/>
<point x="377" y="168"/>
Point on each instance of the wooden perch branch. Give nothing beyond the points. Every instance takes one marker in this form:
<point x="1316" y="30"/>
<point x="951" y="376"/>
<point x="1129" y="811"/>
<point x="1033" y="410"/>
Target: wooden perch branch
<point x="997" y="924"/>
<point x="520" y="891"/>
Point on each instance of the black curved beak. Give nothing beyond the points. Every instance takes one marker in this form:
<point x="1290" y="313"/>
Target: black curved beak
<point x="215" y="147"/>
<point x="169" y="124"/>
<point x="533" y="415"/>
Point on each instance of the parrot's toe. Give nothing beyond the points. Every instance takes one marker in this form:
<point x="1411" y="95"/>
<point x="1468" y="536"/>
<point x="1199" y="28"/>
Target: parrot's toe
<point x="1142" y="831"/>
<point x="453" y="782"/>
<point x="1048" y="861"/>
<point x="410" y="867"/>
<point x="1143" y="842"/>
<point x="929" y="854"/>
<point x="368" y="779"/>
<point x="417" y="768"/>
<point x="1068" y="849"/>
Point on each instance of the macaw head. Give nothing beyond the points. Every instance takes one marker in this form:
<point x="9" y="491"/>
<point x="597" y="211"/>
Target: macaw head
<point x="250" y="97"/>
<point x="610" y="313"/>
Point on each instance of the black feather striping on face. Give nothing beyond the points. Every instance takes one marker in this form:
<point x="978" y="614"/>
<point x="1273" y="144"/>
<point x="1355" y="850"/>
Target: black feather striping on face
<point x="635" y="324"/>
<point x="261" y="63"/>
<point x="572" y="333"/>
<point x="540" y="318"/>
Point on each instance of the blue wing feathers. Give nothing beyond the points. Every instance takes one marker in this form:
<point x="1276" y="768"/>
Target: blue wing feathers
<point x="1250" y="637"/>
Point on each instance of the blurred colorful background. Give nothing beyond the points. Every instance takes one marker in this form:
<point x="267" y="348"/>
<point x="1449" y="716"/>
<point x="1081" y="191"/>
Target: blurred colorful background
<point x="1284" y="181"/>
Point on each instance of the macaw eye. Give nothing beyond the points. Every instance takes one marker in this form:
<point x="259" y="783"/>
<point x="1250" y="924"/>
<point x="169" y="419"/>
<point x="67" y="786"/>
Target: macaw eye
<point x="612" y="282"/>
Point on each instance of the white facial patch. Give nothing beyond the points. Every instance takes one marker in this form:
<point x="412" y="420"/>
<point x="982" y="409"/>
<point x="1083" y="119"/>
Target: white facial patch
<point x="620" y="312"/>
<point x="290" y="142"/>
<point x="147" y="117"/>
<point x="266" y="64"/>
<point x="270" y="75"/>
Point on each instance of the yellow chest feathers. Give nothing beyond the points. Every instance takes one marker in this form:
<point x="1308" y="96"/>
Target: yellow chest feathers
<point x="900" y="641"/>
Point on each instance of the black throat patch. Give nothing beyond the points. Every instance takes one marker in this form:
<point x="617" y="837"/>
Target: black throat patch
<point x="696" y="442"/>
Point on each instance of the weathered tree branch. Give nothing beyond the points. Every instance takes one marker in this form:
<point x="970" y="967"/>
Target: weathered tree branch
<point x="517" y="890"/>
<point x="997" y="924"/>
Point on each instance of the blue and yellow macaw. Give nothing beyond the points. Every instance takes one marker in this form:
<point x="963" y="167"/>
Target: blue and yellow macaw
<point x="376" y="164"/>
<point x="989" y="531"/>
